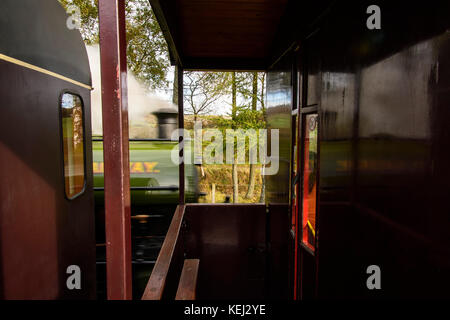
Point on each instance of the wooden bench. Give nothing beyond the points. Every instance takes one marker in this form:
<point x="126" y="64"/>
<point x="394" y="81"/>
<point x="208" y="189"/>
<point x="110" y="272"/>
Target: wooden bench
<point x="187" y="286"/>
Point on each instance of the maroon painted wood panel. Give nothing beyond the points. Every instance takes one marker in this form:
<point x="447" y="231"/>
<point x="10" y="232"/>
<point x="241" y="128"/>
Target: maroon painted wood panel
<point x="41" y="231"/>
<point x="115" y="148"/>
<point x="230" y="241"/>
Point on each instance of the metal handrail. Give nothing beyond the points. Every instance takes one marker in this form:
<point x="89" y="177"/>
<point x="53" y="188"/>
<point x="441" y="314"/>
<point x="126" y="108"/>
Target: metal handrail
<point x="311" y="228"/>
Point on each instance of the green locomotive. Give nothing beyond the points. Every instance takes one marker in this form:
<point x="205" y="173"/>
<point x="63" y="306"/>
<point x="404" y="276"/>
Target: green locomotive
<point x="154" y="182"/>
<point x="153" y="175"/>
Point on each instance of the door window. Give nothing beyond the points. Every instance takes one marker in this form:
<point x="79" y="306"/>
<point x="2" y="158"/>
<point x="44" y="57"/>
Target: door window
<point x="310" y="138"/>
<point x="73" y="144"/>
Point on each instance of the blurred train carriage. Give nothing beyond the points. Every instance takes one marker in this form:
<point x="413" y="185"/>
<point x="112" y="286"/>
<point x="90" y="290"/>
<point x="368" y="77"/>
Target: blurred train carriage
<point x="363" y="175"/>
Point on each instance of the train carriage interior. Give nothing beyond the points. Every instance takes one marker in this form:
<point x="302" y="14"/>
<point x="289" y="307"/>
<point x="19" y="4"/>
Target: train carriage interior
<point x="358" y="185"/>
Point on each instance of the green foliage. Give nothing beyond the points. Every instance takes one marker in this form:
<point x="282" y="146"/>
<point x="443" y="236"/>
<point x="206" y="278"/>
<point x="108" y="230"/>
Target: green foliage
<point x="244" y="87"/>
<point x="245" y="118"/>
<point x="89" y="18"/>
<point x="147" y="50"/>
<point x="220" y="175"/>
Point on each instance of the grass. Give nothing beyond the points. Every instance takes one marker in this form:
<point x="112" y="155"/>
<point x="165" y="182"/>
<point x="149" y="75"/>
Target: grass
<point x="221" y="176"/>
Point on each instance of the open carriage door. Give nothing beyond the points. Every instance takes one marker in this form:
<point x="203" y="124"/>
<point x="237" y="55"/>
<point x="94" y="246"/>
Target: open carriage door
<point x="306" y="187"/>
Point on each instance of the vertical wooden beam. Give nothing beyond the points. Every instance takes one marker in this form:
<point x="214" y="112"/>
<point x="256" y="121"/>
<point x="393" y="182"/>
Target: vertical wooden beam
<point x="181" y="126"/>
<point x="115" y="148"/>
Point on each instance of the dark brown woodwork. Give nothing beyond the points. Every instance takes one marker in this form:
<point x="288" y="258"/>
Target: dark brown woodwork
<point x="115" y="148"/>
<point x="230" y="241"/>
<point x="181" y="175"/>
<point x="187" y="288"/>
<point x="220" y="31"/>
<point x="228" y="28"/>
<point x="384" y="175"/>
<point x="159" y="277"/>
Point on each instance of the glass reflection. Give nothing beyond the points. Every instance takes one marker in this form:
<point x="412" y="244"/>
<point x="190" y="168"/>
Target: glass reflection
<point x="73" y="146"/>
<point x="309" y="180"/>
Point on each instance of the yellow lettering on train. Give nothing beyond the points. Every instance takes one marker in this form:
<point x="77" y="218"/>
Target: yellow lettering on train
<point x="98" y="167"/>
<point x="135" y="167"/>
<point x="149" y="166"/>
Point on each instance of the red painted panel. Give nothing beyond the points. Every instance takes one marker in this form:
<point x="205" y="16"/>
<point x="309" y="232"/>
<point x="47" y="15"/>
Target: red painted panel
<point x="115" y="148"/>
<point x="41" y="231"/>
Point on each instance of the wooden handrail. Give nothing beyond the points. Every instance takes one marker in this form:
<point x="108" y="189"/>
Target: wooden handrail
<point x="187" y="288"/>
<point x="157" y="282"/>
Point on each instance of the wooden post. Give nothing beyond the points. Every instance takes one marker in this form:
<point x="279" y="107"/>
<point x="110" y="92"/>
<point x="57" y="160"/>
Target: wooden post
<point x="115" y="148"/>
<point x="213" y="193"/>
<point x="181" y="126"/>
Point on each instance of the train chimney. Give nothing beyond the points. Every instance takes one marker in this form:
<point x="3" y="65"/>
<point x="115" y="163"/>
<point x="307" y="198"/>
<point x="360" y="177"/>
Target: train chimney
<point x="167" y="122"/>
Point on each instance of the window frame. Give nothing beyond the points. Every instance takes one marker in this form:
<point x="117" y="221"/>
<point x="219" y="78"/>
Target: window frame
<point x="61" y="139"/>
<point x="308" y="111"/>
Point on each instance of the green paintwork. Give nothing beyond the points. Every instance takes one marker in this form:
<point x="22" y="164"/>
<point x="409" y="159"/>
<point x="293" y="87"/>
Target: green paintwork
<point x="150" y="165"/>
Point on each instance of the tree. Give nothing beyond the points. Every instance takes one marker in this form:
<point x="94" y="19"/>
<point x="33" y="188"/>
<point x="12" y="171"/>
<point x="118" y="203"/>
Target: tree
<point x="147" y="49"/>
<point x="234" y="171"/>
<point x="252" y="173"/>
<point x="256" y="94"/>
<point x="202" y="90"/>
<point x="247" y="87"/>
<point x="245" y="116"/>
<point x="231" y="80"/>
<point x="262" y="78"/>
<point x="147" y="52"/>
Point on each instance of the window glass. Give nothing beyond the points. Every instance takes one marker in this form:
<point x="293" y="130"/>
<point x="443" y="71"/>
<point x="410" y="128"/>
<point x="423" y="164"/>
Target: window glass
<point x="309" y="180"/>
<point x="279" y="116"/>
<point x="73" y="146"/>
<point x="294" y="174"/>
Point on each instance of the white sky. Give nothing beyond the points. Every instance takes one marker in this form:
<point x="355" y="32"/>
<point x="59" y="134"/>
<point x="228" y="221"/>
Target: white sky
<point x="142" y="99"/>
<point x="221" y="107"/>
